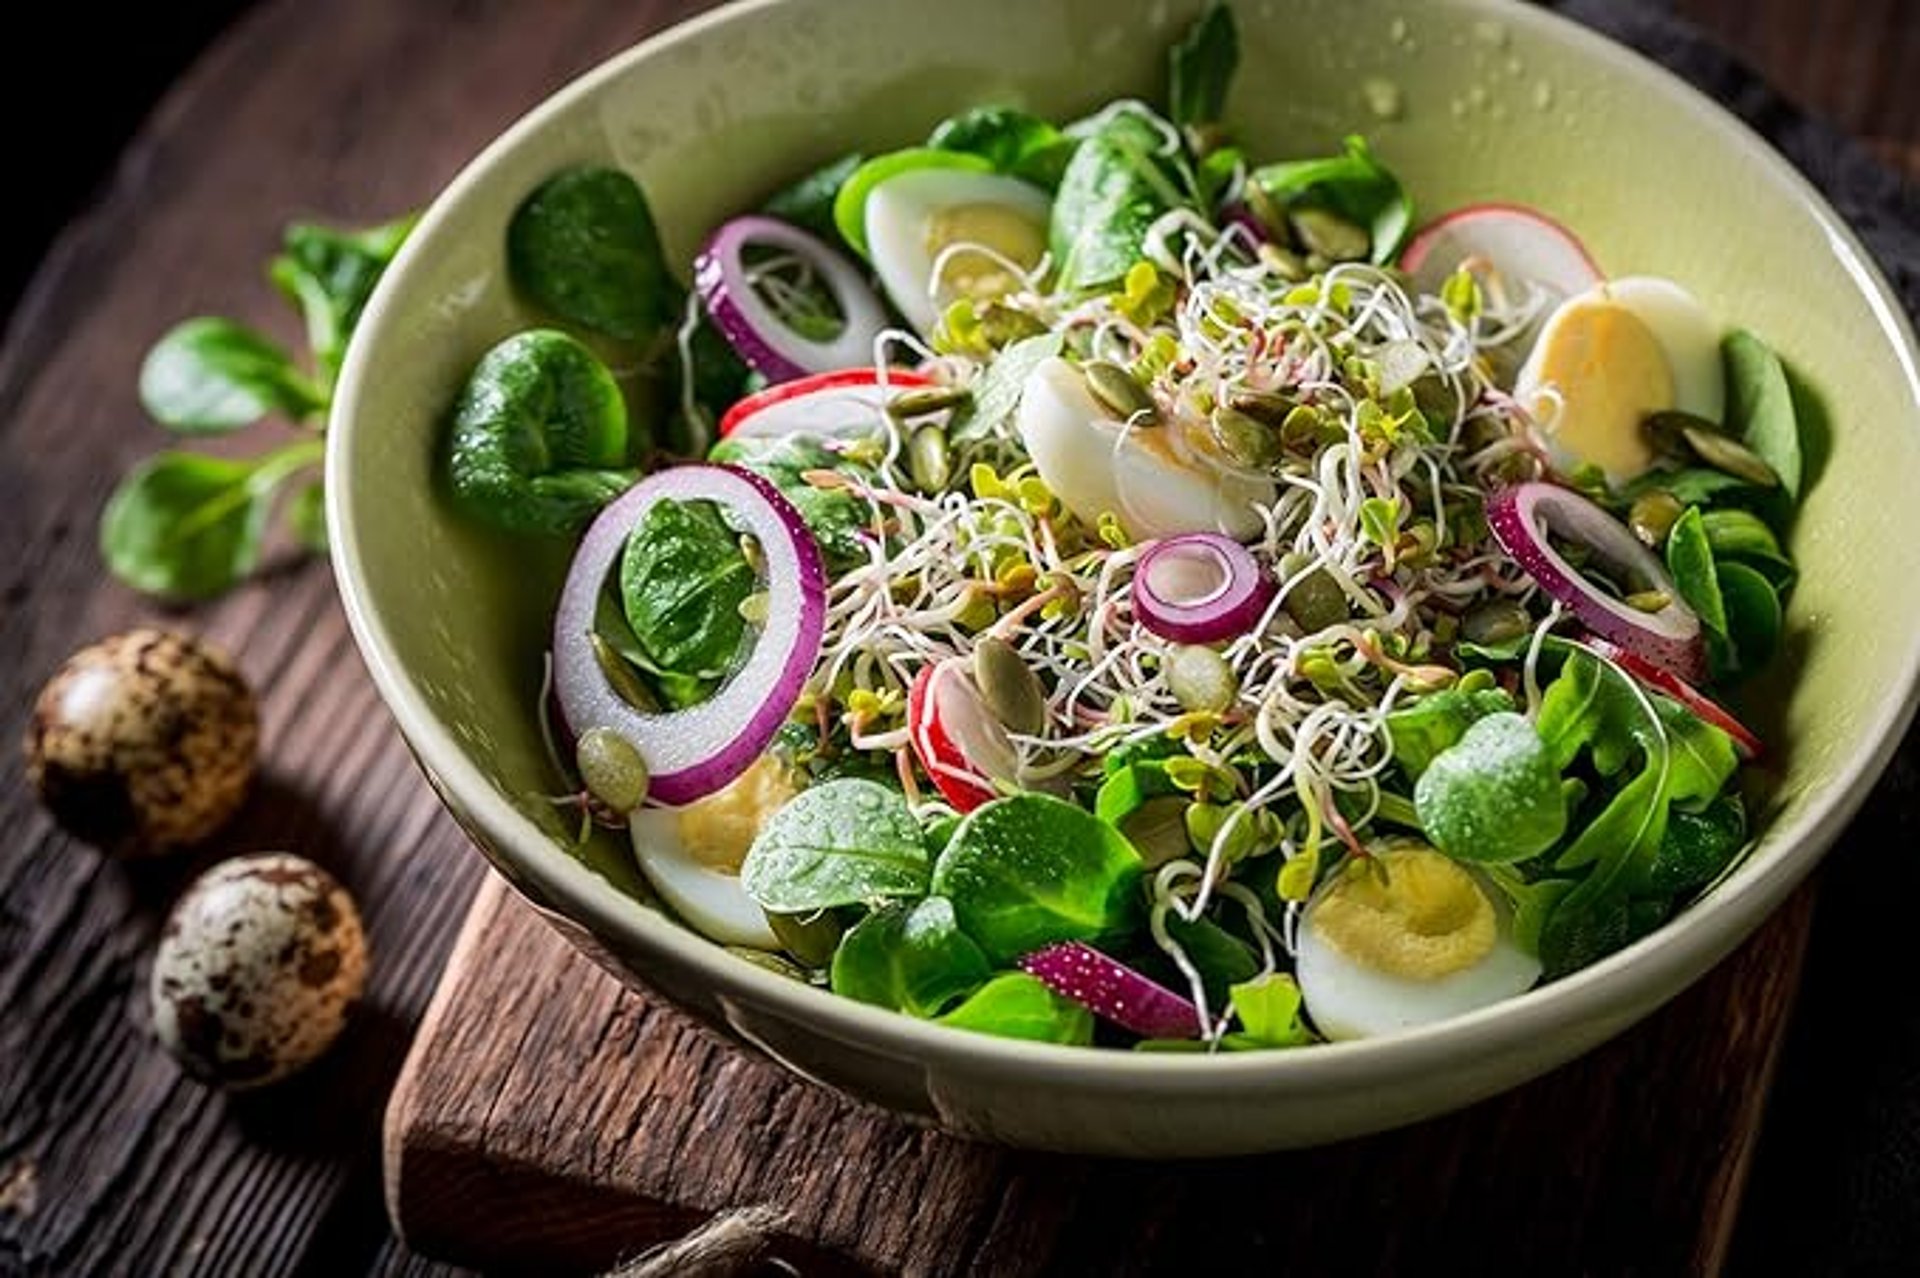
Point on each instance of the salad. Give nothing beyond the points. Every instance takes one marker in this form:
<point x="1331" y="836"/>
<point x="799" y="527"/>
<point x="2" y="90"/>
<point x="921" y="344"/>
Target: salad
<point x="1090" y="583"/>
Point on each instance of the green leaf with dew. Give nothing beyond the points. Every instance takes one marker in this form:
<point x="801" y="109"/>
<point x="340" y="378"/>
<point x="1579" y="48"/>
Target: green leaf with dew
<point x="844" y="842"/>
<point x="909" y="956"/>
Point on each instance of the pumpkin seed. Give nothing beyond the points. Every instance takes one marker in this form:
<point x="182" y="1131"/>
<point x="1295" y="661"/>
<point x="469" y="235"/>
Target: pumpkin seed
<point x="929" y="461"/>
<point x="1119" y="392"/>
<point x="1730" y="455"/>
<point x="1667" y="430"/>
<point x="1266" y="407"/>
<point x="621" y="677"/>
<point x="1316" y="600"/>
<point x="1246" y="440"/>
<point x="1329" y="235"/>
<point x="611" y="769"/>
<point x="926" y="400"/>
<point x="1304" y="425"/>
<point x="811" y="938"/>
<point x="1495" y="622"/>
<point x="1009" y="686"/>
<point x="1284" y="262"/>
<point x="1158" y="829"/>
<point x="753" y="609"/>
<point x="1653" y="516"/>
<point x="1436" y="399"/>
<point x="772" y="962"/>
<point x="1201" y="680"/>
<point x="1648" y="600"/>
<point x="754" y="553"/>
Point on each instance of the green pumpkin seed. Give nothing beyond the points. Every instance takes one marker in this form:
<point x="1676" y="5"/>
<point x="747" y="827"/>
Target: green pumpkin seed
<point x="926" y="400"/>
<point x="1245" y="440"/>
<point x="1329" y="235"/>
<point x="772" y="962"/>
<point x="809" y="938"/>
<point x="1667" y="430"/>
<point x="621" y="677"/>
<point x="754" y="553"/>
<point x="611" y="769"/>
<point x="1009" y="686"/>
<point x="1158" y="829"/>
<point x="929" y="460"/>
<point x="1118" y="392"/>
<point x="1648" y="600"/>
<point x="1284" y="262"/>
<point x="1316" y="600"/>
<point x="1495" y="622"/>
<point x="1730" y="455"/>
<point x="1201" y="680"/>
<point x="1304" y="425"/>
<point x="1653" y="516"/>
<point x="1437" y="400"/>
<point x="1269" y="408"/>
<point x="753" y="609"/>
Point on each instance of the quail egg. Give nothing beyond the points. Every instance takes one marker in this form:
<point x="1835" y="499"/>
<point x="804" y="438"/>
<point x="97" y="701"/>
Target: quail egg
<point x="257" y="967"/>
<point x="143" y="742"/>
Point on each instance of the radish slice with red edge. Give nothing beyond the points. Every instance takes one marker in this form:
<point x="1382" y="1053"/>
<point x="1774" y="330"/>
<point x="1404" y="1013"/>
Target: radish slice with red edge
<point x="959" y="742"/>
<point x="761" y="338"/>
<point x="830" y="405"/>
<point x="1705" y="708"/>
<point x="1200" y="588"/>
<point x="1114" y="991"/>
<point x="1520" y="518"/>
<point x="1522" y="243"/>
<point x="693" y="752"/>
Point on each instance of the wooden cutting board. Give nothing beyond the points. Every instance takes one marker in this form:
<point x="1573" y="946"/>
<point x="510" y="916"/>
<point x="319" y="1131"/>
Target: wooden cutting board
<point x="549" y="1120"/>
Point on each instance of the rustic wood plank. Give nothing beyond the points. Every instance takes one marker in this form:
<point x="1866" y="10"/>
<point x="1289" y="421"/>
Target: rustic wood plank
<point x="549" y="1120"/>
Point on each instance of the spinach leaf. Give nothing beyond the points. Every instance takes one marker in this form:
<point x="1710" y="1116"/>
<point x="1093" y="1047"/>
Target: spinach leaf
<point x="1760" y="406"/>
<point x="584" y="246"/>
<point x="1126" y="789"/>
<point x="808" y="203"/>
<point x="1269" y="1011"/>
<point x="850" y="202"/>
<point x="1112" y="191"/>
<point x="306" y="517"/>
<point x="1200" y="68"/>
<point x="538" y="442"/>
<point x="1354" y="185"/>
<point x="911" y="958"/>
<point x="1028" y="870"/>
<point x="844" y="842"/>
<point x="208" y="376"/>
<point x="1016" y="1005"/>
<point x="836" y="519"/>
<point x="330" y="275"/>
<point x="1690" y="561"/>
<point x="1743" y="535"/>
<point x="1011" y="140"/>
<point x="682" y="581"/>
<point x="185" y="526"/>
<point x="1697" y="847"/>
<point x="1434" y="723"/>
<point x="997" y="391"/>
<point x="1692" y="486"/>
<point x="1494" y="795"/>
<point x="1754" y="617"/>
<point x="1222" y="959"/>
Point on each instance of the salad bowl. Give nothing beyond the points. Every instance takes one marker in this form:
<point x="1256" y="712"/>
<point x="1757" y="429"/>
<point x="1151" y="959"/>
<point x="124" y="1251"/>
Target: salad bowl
<point x="1468" y="101"/>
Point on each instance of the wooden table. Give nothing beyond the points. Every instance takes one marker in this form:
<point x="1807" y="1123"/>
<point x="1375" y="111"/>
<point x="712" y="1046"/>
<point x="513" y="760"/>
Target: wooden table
<point x="109" y="1160"/>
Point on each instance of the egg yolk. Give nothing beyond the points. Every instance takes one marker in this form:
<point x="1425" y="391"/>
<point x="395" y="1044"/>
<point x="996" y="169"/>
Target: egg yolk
<point x="1008" y="232"/>
<point x="718" y="830"/>
<point x="1407" y="912"/>
<point x="1610" y="372"/>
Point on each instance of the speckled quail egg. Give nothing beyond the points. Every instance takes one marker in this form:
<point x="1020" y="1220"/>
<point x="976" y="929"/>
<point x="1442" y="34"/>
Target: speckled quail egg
<point x="143" y="742"/>
<point x="257" y="967"/>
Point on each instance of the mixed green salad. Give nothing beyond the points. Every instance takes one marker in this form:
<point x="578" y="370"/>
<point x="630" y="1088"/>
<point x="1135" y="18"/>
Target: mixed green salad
<point x="1088" y="583"/>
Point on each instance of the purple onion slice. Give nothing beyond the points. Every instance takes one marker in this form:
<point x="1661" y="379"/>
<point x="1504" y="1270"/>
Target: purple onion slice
<point x="1200" y="588"/>
<point x="755" y="330"/>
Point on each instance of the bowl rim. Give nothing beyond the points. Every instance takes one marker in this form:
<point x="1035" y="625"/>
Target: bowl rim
<point x="1640" y="976"/>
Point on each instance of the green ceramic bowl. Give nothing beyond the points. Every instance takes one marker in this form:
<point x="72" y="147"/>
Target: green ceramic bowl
<point x="1498" y="101"/>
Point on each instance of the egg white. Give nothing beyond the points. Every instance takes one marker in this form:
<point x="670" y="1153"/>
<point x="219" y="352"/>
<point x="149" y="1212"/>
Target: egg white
<point x="710" y="900"/>
<point x="1082" y="455"/>
<point x="1349" y="1000"/>
<point x="897" y="214"/>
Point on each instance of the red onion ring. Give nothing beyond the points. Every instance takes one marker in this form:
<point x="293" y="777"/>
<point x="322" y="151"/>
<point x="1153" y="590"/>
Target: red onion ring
<point x="1520" y="518"/>
<point x="693" y="752"/>
<point x="1114" y="991"/>
<point x="759" y="336"/>
<point x="1199" y="588"/>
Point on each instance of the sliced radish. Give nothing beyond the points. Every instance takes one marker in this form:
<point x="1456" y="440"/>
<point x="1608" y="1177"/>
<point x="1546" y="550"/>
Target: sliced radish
<point x="1521" y="243"/>
<point x="1114" y="991"/>
<point x="1703" y="707"/>
<point x="827" y="405"/>
<point x="959" y="742"/>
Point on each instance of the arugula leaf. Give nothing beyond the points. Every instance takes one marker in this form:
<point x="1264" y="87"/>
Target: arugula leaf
<point x="1433" y="723"/>
<point x="1269" y="1010"/>
<point x="1028" y="870"/>
<point x="911" y="958"/>
<point x="1112" y="191"/>
<point x="843" y="842"/>
<point x="808" y="203"/>
<point x="185" y="526"/>
<point x="1016" y="1005"/>
<point x="1354" y="185"/>
<point x="1494" y="795"/>
<point x="1592" y="706"/>
<point x="208" y="376"/>
<point x="682" y="581"/>
<point x="1011" y="140"/>
<point x="330" y="275"/>
<point x="584" y="246"/>
<point x="1200" y="68"/>
<point x="850" y="202"/>
<point x="996" y="393"/>
<point x="1760" y="406"/>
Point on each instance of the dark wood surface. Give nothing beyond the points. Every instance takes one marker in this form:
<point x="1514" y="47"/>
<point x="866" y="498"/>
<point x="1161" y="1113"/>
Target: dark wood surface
<point x="109" y="1160"/>
<point x="550" y="1121"/>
